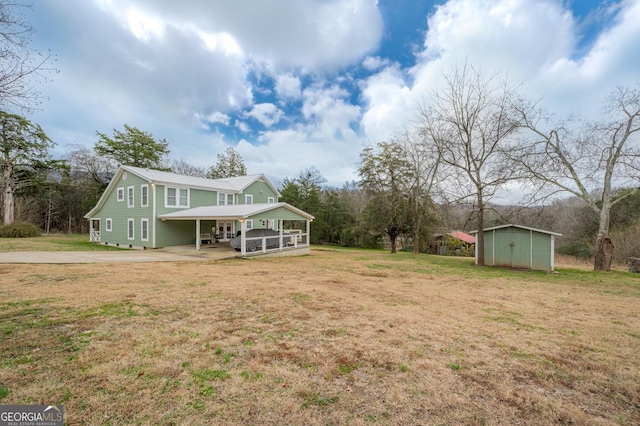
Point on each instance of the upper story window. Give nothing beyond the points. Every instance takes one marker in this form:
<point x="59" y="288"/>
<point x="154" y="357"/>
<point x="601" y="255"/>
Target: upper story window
<point x="144" y="195"/>
<point x="130" y="196"/>
<point x="176" y="197"/>
<point x="120" y="194"/>
<point x="271" y="200"/>
<point x="248" y="199"/>
<point x="225" y="199"/>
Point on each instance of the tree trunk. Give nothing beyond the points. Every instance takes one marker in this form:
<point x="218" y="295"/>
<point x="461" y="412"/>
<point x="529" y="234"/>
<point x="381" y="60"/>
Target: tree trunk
<point x="604" y="254"/>
<point x="393" y="236"/>
<point x="416" y="237"/>
<point x="9" y="203"/>
<point x="480" y="239"/>
<point x="604" y="246"/>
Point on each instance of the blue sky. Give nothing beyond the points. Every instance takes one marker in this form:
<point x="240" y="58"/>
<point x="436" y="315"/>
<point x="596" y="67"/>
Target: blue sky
<point x="293" y="84"/>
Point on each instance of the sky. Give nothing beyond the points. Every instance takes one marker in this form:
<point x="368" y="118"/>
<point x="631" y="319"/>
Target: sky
<point x="295" y="84"/>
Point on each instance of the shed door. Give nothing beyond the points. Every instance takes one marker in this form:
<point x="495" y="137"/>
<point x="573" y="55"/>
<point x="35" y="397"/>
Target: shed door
<point x="513" y="248"/>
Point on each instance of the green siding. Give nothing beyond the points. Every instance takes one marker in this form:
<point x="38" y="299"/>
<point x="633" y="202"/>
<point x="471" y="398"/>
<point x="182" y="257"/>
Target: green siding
<point x="260" y="191"/>
<point x="541" y="258"/>
<point x="512" y="248"/>
<point x="120" y="213"/>
<point x="518" y="248"/>
<point x="280" y="213"/>
<point x="488" y="248"/>
<point x="176" y="233"/>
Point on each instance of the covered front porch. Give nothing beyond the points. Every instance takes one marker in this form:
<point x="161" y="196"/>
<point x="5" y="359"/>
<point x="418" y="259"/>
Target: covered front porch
<point x="252" y="229"/>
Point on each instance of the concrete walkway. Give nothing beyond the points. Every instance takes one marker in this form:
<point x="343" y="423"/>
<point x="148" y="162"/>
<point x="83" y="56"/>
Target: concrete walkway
<point x="169" y="254"/>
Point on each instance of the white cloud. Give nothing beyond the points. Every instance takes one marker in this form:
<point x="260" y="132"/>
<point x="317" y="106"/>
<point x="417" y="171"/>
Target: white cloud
<point x="373" y="63"/>
<point x="288" y="86"/>
<point x="266" y="113"/>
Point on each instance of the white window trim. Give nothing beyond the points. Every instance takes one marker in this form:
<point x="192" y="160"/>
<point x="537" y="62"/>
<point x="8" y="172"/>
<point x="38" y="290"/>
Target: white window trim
<point x="249" y="225"/>
<point x="248" y="199"/>
<point x="144" y="188"/>
<point x="177" y="205"/>
<point x="142" y="227"/>
<point x="120" y="194"/>
<point x="271" y="200"/>
<point x="131" y="197"/>
<point x="225" y="196"/>
<point x="108" y="224"/>
<point x="131" y="226"/>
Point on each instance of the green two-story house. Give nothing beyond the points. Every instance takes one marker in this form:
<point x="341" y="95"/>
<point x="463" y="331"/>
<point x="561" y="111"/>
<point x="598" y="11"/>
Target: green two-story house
<point x="144" y="208"/>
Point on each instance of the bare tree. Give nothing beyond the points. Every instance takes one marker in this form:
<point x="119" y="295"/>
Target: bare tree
<point x="468" y="122"/>
<point x="589" y="162"/>
<point x="183" y="167"/>
<point x="423" y="162"/>
<point x="20" y="65"/>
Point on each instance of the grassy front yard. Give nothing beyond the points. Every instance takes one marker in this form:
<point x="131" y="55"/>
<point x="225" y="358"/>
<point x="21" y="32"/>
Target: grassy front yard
<point x="337" y="337"/>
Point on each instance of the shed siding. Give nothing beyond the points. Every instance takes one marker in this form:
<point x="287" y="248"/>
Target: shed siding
<point x="513" y="248"/>
<point x="541" y="256"/>
<point x="516" y="247"/>
<point x="488" y="248"/>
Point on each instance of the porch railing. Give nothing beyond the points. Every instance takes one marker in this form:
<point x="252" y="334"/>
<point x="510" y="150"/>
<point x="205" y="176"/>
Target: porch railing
<point x="274" y="243"/>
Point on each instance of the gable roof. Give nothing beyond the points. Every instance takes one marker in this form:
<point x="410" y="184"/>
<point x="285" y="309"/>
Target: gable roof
<point x="233" y="184"/>
<point x="236" y="211"/>
<point x="521" y="227"/>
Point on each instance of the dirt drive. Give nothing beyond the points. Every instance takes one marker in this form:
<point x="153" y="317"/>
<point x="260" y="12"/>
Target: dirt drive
<point x="337" y="337"/>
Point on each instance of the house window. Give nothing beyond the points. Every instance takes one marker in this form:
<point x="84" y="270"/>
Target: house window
<point x="184" y="198"/>
<point x="225" y="199"/>
<point x="120" y="192"/>
<point x="144" y="196"/>
<point x="177" y="197"/>
<point x="171" y="196"/>
<point x="130" y="194"/>
<point x="248" y="199"/>
<point x="249" y="225"/>
<point x="108" y="226"/>
<point x="144" y="229"/>
<point x="271" y="224"/>
<point x="271" y="200"/>
<point x="130" y="229"/>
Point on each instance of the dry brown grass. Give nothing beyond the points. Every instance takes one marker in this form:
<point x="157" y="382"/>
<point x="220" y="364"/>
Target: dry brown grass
<point x="338" y="337"/>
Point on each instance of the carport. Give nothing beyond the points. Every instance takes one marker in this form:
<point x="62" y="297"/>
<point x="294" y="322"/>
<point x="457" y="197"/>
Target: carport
<point x="250" y="216"/>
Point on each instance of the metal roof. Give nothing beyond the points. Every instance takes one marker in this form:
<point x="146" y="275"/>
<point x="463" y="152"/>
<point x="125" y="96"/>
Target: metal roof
<point x="518" y="226"/>
<point x="463" y="236"/>
<point x="238" y="211"/>
<point x="233" y="184"/>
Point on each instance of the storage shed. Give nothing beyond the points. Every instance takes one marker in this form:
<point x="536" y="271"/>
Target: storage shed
<point x="518" y="246"/>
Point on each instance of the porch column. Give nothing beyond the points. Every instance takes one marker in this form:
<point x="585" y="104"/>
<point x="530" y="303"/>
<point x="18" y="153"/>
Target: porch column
<point x="281" y="233"/>
<point x="90" y="230"/>
<point x="243" y="235"/>
<point x="197" y="234"/>
<point x="308" y="232"/>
